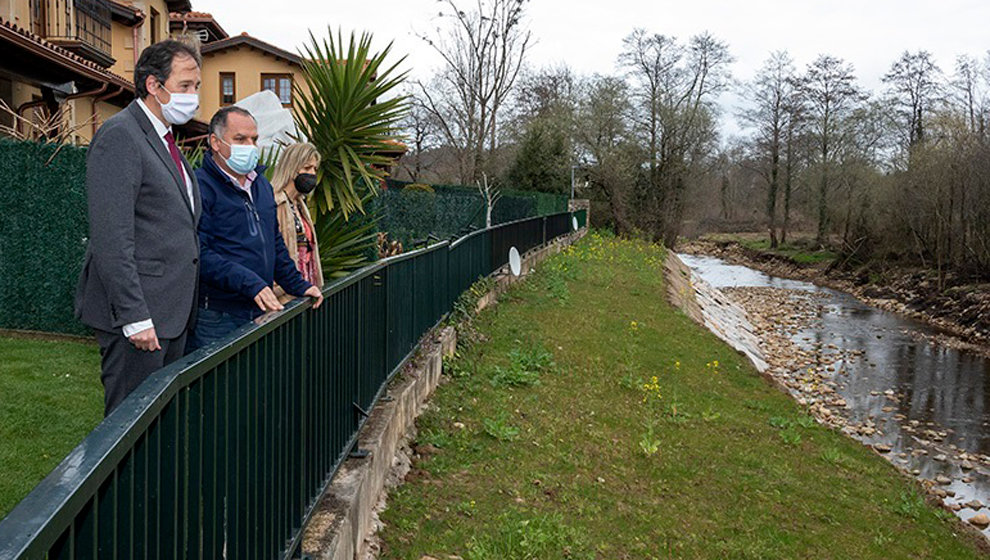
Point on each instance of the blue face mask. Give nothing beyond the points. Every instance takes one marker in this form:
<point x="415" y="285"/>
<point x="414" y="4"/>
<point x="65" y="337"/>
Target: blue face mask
<point x="243" y="159"/>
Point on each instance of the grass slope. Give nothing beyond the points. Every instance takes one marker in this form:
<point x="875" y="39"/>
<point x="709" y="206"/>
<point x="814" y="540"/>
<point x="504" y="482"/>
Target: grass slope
<point x="553" y="440"/>
<point x="50" y="398"/>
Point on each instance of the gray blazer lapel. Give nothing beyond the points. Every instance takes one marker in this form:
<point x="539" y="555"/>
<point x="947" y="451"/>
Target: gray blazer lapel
<point x="151" y="135"/>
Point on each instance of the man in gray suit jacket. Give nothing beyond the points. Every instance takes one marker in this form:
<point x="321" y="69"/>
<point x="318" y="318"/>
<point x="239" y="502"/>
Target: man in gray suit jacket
<point x="138" y="285"/>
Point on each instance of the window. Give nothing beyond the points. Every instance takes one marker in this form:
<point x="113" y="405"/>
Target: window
<point x="38" y="13"/>
<point x="155" y="19"/>
<point x="281" y="84"/>
<point x="228" y="93"/>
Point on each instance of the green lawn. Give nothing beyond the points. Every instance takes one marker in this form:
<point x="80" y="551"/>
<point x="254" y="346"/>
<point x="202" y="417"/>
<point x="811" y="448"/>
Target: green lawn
<point x="552" y="440"/>
<point x="50" y="398"/>
<point x="801" y="253"/>
<point x="801" y="249"/>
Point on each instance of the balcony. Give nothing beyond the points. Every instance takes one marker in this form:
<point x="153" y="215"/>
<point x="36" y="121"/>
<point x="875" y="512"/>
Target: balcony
<point x="81" y="26"/>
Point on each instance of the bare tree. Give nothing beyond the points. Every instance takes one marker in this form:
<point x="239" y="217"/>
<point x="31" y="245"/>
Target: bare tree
<point x="420" y="128"/>
<point x="604" y="147"/>
<point x="490" y="194"/>
<point x="914" y="88"/>
<point x="796" y="150"/>
<point x="483" y="51"/>
<point x="675" y="89"/>
<point x="771" y="92"/>
<point x="545" y="92"/>
<point x="830" y="93"/>
<point x="969" y="85"/>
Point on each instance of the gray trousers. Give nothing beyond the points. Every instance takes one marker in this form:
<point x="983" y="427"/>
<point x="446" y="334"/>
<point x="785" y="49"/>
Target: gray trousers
<point x="125" y="367"/>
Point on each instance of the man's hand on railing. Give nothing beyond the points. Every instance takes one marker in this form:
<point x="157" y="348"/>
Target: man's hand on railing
<point x="267" y="301"/>
<point x="316" y="294"/>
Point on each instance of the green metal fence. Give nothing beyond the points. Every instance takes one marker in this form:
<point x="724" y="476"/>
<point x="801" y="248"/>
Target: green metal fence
<point x="226" y="452"/>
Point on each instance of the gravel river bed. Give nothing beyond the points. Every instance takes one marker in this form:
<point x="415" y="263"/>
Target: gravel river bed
<point x="892" y="382"/>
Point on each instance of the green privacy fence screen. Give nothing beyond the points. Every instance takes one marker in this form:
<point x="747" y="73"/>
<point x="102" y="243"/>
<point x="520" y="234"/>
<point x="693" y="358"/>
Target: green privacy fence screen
<point x="225" y="453"/>
<point x="43" y="228"/>
<point x="453" y="210"/>
<point x="42" y="235"/>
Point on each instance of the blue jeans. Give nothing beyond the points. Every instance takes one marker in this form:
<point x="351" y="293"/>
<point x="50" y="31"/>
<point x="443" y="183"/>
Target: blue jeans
<point x="211" y="326"/>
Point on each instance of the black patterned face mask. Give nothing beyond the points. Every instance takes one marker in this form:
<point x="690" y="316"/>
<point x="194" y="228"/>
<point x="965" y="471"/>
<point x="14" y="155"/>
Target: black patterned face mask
<point x="305" y="183"/>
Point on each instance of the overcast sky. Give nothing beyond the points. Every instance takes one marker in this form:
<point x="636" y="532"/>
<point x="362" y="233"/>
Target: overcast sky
<point x="587" y="36"/>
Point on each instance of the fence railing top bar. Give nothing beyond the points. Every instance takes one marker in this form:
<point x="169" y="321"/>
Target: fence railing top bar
<point x="417" y="252"/>
<point x="34" y="523"/>
<point x="522" y="220"/>
<point x="64" y="492"/>
<point x="464" y="238"/>
<point x="339" y="284"/>
<point x="460" y="240"/>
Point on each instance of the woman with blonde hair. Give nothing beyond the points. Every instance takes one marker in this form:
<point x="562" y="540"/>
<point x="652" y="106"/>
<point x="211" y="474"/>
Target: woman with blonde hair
<point x="294" y="177"/>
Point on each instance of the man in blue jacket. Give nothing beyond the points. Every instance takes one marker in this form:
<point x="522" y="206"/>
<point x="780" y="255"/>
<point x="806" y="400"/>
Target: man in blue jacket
<point x="241" y="248"/>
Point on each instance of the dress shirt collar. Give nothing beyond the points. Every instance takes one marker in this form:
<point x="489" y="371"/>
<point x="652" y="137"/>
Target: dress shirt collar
<point x="160" y="127"/>
<point x="251" y="176"/>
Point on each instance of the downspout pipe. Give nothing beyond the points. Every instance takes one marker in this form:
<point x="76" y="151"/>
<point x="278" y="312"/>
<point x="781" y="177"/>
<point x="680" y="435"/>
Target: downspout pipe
<point x="24" y="107"/>
<point x="91" y="93"/>
<point x="31" y="104"/>
<point x="111" y="95"/>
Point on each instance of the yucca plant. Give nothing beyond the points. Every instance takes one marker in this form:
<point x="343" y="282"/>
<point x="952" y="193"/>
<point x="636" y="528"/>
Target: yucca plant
<point x="345" y="244"/>
<point x="346" y="116"/>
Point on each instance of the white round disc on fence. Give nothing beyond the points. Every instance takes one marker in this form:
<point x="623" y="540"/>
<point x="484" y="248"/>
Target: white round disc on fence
<point x="574" y="223"/>
<point x="515" y="263"/>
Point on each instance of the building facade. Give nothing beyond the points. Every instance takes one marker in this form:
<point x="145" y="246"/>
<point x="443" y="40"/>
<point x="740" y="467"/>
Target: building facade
<point x="74" y="58"/>
<point x="239" y="66"/>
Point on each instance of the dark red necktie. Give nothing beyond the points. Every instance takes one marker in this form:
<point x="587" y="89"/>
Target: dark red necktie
<point x="174" y="151"/>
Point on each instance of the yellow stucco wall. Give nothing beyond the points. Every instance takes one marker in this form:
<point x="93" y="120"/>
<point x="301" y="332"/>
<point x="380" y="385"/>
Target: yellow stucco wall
<point x="82" y="113"/>
<point x="23" y="93"/>
<point x="16" y="11"/>
<point x="144" y="32"/>
<point x="247" y="64"/>
<point x="122" y="46"/>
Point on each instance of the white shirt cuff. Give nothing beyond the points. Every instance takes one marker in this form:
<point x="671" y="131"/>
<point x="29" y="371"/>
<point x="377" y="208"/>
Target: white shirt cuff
<point x="134" y="328"/>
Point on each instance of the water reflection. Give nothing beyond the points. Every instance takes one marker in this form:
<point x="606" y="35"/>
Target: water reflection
<point x="927" y="401"/>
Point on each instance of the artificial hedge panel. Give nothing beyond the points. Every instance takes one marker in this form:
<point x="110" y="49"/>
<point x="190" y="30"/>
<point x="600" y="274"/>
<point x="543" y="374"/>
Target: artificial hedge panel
<point x="43" y="227"/>
<point x="43" y="231"/>
<point x="453" y="210"/>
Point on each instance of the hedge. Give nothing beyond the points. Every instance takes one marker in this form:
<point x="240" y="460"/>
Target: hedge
<point x="452" y="210"/>
<point x="43" y="227"/>
<point x="43" y="230"/>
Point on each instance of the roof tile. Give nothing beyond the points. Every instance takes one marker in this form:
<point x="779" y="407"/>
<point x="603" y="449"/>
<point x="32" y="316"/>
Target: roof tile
<point x="64" y="53"/>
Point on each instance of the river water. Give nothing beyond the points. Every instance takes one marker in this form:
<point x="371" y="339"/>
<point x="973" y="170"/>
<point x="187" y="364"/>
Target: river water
<point x="931" y="403"/>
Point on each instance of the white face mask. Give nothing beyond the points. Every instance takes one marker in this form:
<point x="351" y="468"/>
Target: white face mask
<point x="181" y="107"/>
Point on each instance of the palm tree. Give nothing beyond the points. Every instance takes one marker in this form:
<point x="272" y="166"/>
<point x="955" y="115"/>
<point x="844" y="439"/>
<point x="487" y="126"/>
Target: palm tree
<point x="346" y="116"/>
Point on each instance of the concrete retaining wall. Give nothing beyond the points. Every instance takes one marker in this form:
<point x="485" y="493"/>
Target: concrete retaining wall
<point x="712" y="309"/>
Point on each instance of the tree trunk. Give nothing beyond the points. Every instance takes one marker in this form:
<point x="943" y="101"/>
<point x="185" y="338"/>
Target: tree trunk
<point x="789" y="168"/>
<point x="772" y="194"/>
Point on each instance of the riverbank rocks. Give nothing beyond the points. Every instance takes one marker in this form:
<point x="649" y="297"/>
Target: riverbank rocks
<point x="834" y="386"/>
<point x="980" y="520"/>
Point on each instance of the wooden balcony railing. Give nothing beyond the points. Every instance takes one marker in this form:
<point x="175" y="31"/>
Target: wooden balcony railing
<point x="82" y="26"/>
